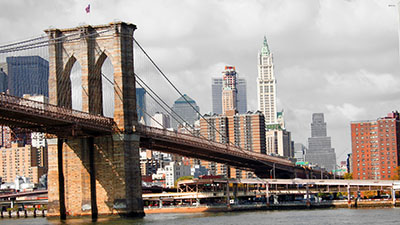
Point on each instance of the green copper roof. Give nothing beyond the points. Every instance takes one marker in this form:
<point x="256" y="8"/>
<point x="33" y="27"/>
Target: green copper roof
<point x="182" y="100"/>
<point x="265" y="48"/>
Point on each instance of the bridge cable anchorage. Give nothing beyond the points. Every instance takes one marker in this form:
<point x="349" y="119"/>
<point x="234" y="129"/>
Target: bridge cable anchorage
<point x="247" y="152"/>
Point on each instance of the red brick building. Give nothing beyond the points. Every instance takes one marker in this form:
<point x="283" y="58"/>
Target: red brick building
<point x="375" y="148"/>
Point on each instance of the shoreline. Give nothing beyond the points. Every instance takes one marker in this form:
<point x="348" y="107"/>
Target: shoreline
<point x="283" y="206"/>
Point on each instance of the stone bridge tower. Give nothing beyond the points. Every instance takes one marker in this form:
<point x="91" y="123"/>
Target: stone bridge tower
<point x="95" y="175"/>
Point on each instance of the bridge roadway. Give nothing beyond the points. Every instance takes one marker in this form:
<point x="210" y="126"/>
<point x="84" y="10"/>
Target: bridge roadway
<point x="41" y="117"/>
<point x="196" y="147"/>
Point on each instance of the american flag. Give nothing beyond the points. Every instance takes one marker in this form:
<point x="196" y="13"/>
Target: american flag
<point x="87" y="8"/>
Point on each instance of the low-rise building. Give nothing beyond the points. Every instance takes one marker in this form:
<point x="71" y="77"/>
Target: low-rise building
<point x="23" y="161"/>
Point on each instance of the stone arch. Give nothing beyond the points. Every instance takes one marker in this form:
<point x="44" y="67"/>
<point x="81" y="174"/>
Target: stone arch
<point x="76" y="86"/>
<point x="64" y="95"/>
<point x="105" y="69"/>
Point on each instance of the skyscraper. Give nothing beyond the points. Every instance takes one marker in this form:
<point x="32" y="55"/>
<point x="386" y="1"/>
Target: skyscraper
<point x="319" y="144"/>
<point x="3" y="80"/>
<point x="160" y="120"/>
<point x="28" y="75"/>
<point x="246" y="131"/>
<point x="279" y="142"/>
<point x="266" y="84"/>
<point x="241" y="96"/>
<point x="229" y="91"/>
<point x="299" y="152"/>
<point x="141" y="104"/>
<point x="184" y="109"/>
<point x="375" y="148"/>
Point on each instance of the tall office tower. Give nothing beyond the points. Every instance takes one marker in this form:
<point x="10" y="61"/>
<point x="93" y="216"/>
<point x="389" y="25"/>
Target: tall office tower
<point x="299" y="152"/>
<point x="38" y="139"/>
<point x="376" y="148"/>
<point x="319" y="144"/>
<point x="266" y="85"/>
<point x="141" y="104"/>
<point x="160" y="120"/>
<point x="3" y="80"/>
<point x="241" y="96"/>
<point x="5" y="137"/>
<point x="244" y="130"/>
<point x="229" y="91"/>
<point x="279" y="142"/>
<point x="183" y="107"/>
<point x="28" y="75"/>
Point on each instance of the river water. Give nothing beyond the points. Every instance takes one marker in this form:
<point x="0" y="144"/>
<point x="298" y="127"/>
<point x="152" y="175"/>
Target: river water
<point x="293" y="217"/>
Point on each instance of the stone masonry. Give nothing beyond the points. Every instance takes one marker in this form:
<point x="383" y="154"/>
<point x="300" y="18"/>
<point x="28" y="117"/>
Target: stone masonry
<point x="110" y="162"/>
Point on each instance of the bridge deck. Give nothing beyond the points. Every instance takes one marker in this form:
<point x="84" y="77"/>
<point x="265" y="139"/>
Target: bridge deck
<point x="188" y="145"/>
<point x="42" y="117"/>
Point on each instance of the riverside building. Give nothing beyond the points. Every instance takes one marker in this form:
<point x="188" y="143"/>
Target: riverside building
<point x="375" y="148"/>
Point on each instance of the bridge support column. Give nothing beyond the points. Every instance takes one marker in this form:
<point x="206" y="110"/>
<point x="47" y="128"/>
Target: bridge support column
<point x="102" y="175"/>
<point x="228" y="200"/>
<point x="393" y="196"/>
<point x="267" y="193"/>
<point x="92" y="172"/>
<point x="348" y="196"/>
<point x="132" y="177"/>
<point x="308" y="203"/>
<point x="61" y="190"/>
<point x="56" y="187"/>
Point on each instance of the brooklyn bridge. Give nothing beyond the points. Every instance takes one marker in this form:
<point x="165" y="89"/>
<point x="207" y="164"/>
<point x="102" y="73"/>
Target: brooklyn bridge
<point x="94" y="157"/>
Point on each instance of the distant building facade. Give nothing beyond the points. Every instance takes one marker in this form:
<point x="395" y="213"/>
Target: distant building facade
<point x="216" y="89"/>
<point x="175" y="170"/>
<point x="3" y="80"/>
<point x="300" y="152"/>
<point x="279" y="142"/>
<point x="141" y="104"/>
<point x="319" y="144"/>
<point x="160" y="120"/>
<point x="28" y="75"/>
<point x="38" y="139"/>
<point x="266" y="84"/>
<point x="229" y="91"/>
<point x="24" y="161"/>
<point x="244" y="130"/>
<point x="5" y="137"/>
<point x="182" y="106"/>
<point x="375" y="148"/>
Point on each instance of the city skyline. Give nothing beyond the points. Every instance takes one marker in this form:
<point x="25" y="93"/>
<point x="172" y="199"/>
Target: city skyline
<point x="328" y="55"/>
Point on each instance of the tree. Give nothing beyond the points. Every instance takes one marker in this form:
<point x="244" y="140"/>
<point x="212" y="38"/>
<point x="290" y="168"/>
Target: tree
<point x="183" y="178"/>
<point x="348" y="176"/>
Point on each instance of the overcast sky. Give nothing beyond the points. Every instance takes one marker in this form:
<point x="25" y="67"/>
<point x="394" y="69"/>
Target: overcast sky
<point x="336" y="57"/>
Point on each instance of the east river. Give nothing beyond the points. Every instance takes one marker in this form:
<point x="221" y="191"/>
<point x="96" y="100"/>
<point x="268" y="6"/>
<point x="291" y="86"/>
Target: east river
<point x="293" y="217"/>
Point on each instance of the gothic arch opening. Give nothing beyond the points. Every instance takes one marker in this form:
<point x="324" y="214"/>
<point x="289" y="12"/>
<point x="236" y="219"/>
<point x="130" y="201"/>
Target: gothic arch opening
<point x="76" y="86"/>
<point x="107" y="82"/>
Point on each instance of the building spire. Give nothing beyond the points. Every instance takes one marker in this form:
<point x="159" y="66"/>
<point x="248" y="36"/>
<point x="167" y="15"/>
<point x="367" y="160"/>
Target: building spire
<point x="265" y="48"/>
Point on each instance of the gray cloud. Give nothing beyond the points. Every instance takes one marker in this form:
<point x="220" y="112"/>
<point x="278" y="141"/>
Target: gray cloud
<point x="336" y="57"/>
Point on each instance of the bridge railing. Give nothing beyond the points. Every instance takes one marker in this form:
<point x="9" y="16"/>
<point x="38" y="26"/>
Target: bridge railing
<point x="23" y="104"/>
<point x="233" y="150"/>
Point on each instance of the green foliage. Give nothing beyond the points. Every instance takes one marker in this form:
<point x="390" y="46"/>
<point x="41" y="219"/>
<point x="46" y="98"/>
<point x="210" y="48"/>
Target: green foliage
<point x="348" y="176"/>
<point x="183" y="178"/>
